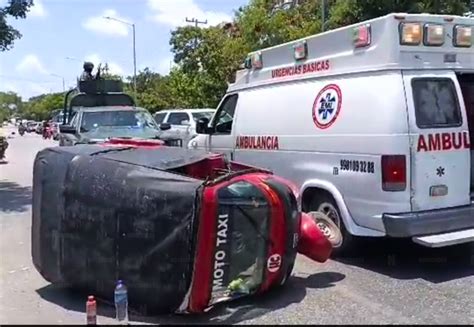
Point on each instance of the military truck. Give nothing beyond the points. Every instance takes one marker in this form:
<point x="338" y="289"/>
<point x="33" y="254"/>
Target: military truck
<point x="98" y="110"/>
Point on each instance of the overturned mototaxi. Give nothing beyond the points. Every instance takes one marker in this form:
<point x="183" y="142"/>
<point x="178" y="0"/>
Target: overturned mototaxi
<point x="183" y="229"/>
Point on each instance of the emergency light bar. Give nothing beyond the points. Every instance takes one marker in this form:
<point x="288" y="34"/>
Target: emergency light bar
<point x="410" y="33"/>
<point x="257" y="61"/>
<point x="254" y="61"/>
<point x="433" y="35"/>
<point x="300" y="50"/>
<point x="361" y="36"/>
<point x="462" y="36"/>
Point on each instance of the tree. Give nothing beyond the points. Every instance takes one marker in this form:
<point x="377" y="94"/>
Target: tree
<point x="40" y="107"/>
<point x="263" y="26"/>
<point x="207" y="60"/>
<point x="16" y="9"/>
<point x="153" y="91"/>
<point x="345" y="12"/>
<point x="10" y="102"/>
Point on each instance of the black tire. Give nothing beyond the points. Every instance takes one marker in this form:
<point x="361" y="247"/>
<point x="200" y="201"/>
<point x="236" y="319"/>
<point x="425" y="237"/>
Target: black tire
<point x="288" y="273"/>
<point x="327" y="205"/>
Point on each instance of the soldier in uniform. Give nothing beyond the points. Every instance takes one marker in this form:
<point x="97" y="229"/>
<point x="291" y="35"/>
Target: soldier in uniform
<point x="87" y="74"/>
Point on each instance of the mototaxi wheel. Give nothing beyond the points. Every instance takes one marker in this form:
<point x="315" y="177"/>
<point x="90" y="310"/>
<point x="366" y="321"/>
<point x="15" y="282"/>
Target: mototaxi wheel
<point x="327" y="205"/>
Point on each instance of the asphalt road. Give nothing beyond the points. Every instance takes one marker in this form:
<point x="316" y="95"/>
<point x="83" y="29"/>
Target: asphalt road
<point x="388" y="282"/>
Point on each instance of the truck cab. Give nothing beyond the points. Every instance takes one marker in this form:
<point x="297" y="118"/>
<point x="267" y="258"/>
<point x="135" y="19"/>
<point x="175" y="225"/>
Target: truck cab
<point x="100" y="111"/>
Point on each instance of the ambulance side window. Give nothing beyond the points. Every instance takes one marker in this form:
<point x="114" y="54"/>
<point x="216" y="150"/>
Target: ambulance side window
<point x="225" y="115"/>
<point x="436" y="103"/>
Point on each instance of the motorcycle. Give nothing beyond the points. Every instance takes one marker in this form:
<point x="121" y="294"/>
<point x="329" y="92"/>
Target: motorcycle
<point x="21" y="130"/>
<point x="3" y="147"/>
<point x="47" y="133"/>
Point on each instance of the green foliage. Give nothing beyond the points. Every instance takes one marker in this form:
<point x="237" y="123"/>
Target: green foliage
<point x="10" y="102"/>
<point x="345" y="12"/>
<point x="40" y="107"/>
<point x="16" y="9"/>
<point x="207" y="58"/>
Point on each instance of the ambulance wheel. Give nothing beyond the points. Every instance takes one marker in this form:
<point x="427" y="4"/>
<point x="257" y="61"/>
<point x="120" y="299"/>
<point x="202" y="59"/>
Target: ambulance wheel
<point x="327" y="205"/>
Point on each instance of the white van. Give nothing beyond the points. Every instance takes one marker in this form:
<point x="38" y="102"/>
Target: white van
<point x="371" y="122"/>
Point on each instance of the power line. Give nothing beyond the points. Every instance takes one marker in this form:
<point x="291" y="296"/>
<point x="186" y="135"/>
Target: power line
<point x="196" y="25"/>
<point x="196" y="21"/>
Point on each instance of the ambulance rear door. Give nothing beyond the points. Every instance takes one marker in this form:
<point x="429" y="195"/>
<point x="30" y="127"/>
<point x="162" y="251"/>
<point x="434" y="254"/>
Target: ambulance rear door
<point x="439" y="138"/>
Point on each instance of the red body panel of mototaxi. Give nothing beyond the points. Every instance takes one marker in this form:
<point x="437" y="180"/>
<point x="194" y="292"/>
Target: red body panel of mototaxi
<point x="184" y="229"/>
<point x="233" y="260"/>
<point x="254" y="256"/>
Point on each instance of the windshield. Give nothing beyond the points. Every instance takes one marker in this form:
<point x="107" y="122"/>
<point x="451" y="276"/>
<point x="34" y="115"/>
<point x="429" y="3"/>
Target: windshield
<point x="204" y="114"/>
<point x="242" y="241"/>
<point x="114" y="118"/>
<point x="124" y="124"/>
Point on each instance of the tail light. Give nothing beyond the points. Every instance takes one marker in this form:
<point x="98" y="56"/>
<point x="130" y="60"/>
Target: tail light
<point x="394" y="173"/>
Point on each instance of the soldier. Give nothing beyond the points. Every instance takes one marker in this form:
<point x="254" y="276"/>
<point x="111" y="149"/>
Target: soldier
<point x="87" y="74"/>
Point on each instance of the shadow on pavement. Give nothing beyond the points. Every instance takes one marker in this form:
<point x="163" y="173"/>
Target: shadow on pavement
<point x="233" y="312"/>
<point x="403" y="259"/>
<point x="13" y="197"/>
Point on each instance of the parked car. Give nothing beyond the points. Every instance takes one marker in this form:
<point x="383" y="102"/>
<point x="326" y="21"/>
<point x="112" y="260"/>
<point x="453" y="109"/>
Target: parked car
<point x="31" y="126"/>
<point x="180" y="124"/>
<point x="39" y="128"/>
<point x="97" y="124"/>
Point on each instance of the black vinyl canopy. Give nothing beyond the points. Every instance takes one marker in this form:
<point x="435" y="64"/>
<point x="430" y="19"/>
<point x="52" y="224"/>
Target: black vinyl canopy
<point x="106" y="213"/>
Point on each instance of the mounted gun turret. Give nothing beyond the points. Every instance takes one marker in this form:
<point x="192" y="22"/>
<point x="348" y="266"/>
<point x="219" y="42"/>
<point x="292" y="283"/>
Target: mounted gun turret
<point x="95" y="92"/>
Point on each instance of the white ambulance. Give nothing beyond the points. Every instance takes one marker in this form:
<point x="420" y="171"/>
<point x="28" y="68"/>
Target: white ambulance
<point x="371" y="122"/>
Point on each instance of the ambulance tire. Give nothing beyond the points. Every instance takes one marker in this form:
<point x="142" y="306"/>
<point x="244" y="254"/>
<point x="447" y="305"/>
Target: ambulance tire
<point x="327" y="205"/>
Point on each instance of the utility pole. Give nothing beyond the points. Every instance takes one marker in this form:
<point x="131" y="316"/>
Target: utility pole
<point x="196" y="21"/>
<point x="61" y="77"/>
<point x="134" y="50"/>
<point x="323" y="14"/>
<point x="196" y="24"/>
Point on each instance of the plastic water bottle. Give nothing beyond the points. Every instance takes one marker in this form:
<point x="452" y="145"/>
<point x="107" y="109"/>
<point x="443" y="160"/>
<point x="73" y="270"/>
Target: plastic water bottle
<point x="121" y="303"/>
<point x="91" y="310"/>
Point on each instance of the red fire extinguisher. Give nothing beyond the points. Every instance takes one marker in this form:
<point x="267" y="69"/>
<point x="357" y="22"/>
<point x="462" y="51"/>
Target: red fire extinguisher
<point x="91" y="310"/>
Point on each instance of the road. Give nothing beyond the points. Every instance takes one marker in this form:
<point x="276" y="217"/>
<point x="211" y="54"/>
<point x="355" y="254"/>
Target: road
<point x="388" y="282"/>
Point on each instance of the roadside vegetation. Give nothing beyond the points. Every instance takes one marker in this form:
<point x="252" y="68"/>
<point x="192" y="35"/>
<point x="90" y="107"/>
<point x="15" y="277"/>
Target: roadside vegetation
<point x="206" y="58"/>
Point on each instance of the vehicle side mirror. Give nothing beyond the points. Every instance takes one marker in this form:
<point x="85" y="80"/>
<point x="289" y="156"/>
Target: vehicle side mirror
<point x="202" y="126"/>
<point x="165" y="126"/>
<point x="67" y="129"/>
<point x="315" y="243"/>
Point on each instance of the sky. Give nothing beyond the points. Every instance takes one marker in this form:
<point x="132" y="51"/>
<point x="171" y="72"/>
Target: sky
<point x="58" y="35"/>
